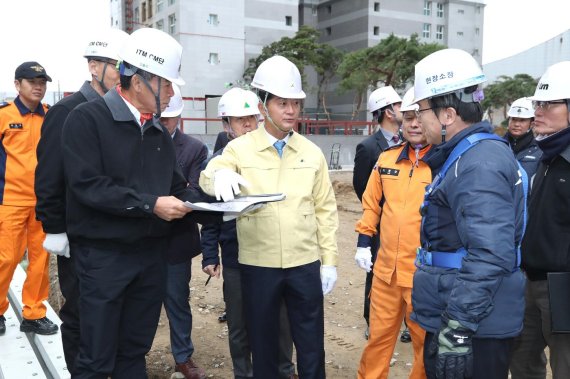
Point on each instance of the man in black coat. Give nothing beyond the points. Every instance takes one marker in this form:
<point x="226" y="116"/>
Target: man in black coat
<point x="384" y="104"/>
<point x="102" y="56"/>
<point x="184" y="244"/>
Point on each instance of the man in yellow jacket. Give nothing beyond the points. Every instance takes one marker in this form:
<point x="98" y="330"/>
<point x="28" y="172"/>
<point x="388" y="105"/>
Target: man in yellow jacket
<point x="392" y="198"/>
<point x="20" y="126"/>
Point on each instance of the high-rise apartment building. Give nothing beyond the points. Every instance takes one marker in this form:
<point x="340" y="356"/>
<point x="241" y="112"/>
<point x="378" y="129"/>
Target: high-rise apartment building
<point x="220" y="36"/>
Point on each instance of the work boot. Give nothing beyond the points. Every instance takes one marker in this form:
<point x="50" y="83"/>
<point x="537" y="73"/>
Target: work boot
<point x="190" y="370"/>
<point x="405" y="337"/>
<point x="40" y="326"/>
<point x="2" y="325"/>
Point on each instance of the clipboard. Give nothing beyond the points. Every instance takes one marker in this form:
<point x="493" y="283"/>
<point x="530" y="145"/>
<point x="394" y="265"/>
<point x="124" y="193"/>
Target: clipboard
<point x="559" y="297"/>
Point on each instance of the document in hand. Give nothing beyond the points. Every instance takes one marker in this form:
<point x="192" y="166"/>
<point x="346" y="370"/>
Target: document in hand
<point x="238" y="206"/>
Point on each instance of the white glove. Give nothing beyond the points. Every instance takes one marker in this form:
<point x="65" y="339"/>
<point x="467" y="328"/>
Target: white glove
<point x="57" y="244"/>
<point x="328" y="278"/>
<point x="363" y="258"/>
<point x="226" y="183"/>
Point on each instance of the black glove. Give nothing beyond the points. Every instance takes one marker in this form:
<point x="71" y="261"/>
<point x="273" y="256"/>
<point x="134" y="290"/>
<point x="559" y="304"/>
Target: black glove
<point x="454" y="348"/>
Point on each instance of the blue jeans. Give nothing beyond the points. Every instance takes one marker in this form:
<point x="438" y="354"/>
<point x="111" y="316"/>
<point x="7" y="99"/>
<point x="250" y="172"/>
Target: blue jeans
<point x="177" y="306"/>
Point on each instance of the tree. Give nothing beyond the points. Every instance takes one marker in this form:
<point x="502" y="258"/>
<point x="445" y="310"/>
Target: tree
<point x="303" y="50"/>
<point x="502" y="93"/>
<point x="390" y="62"/>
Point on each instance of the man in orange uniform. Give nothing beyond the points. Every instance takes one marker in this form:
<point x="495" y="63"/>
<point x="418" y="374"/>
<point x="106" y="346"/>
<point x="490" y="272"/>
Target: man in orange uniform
<point x="392" y="198"/>
<point x="20" y="125"/>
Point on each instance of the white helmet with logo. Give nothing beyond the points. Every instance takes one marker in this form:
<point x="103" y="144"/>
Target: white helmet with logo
<point x="106" y="44"/>
<point x="554" y="83"/>
<point x="382" y="97"/>
<point x="447" y="71"/>
<point x="176" y="104"/>
<point x="408" y="102"/>
<point x="238" y="102"/>
<point x="280" y="77"/>
<point x="153" y="51"/>
<point x="521" y="108"/>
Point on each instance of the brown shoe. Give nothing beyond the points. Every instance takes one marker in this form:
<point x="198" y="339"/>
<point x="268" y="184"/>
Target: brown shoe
<point x="190" y="370"/>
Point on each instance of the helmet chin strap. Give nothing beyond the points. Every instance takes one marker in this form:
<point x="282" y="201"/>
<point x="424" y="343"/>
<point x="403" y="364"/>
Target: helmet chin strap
<point x="269" y="117"/>
<point x="443" y="132"/>
<point x="100" y="81"/>
<point x="156" y="94"/>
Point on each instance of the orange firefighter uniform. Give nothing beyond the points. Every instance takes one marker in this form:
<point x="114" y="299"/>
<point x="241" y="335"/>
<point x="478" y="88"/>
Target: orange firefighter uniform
<point x="393" y="196"/>
<point x="19" y="135"/>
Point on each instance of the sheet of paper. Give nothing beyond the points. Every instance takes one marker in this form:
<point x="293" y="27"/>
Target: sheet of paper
<point x="237" y="206"/>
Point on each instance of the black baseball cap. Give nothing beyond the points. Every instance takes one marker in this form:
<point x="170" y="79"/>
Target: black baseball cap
<point x="31" y="70"/>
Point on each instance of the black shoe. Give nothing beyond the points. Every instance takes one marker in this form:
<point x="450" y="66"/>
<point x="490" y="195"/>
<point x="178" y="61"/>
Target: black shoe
<point x="2" y="325"/>
<point x="405" y="337"/>
<point x="223" y="317"/>
<point x="40" y="326"/>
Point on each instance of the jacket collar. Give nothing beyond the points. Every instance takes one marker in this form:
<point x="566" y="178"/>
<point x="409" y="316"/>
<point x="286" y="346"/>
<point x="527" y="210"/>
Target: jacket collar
<point x="121" y="111"/>
<point x="24" y="110"/>
<point x="262" y="142"/>
<point x="88" y="92"/>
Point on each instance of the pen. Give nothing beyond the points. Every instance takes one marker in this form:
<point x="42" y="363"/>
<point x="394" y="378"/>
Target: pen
<point x="210" y="277"/>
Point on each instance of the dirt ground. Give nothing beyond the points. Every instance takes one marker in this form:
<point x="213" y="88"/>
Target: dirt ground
<point x="344" y="324"/>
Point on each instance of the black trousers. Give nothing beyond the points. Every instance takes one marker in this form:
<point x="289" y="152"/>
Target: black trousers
<point x="263" y="289"/>
<point x="120" y="303"/>
<point x="69" y="312"/>
<point x="374" y="246"/>
<point x="491" y="357"/>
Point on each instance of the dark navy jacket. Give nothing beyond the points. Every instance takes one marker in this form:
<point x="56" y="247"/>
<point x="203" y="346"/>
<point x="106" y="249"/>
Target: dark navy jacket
<point x="185" y="237"/>
<point x="526" y="151"/>
<point x="49" y="181"/>
<point x="115" y="170"/>
<point x="224" y="234"/>
<point x="478" y="206"/>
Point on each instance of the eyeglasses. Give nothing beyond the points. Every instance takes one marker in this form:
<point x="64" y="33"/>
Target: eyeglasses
<point x="419" y="112"/>
<point x="546" y="105"/>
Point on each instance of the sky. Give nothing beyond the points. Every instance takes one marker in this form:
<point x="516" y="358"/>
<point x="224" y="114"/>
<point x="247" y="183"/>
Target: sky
<point x="55" y="32"/>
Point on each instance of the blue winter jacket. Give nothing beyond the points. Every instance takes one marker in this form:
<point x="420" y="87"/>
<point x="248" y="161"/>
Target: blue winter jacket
<point x="479" y="206"/>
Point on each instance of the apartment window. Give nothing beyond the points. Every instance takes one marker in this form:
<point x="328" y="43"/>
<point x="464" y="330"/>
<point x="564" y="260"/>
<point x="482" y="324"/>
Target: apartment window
<point x="427" y="8"/>
<point x="171" y="2"/>
<point x="376" y="7"/>
<point x="329" y="9"/>
<point x="478" y="9"/>
<point x="137" y="15"/>
<point x="476" y="31"/>
<point x="439" y="32"/>
<point x="439" y="10"/>
<point x="426" y="33"/>
<point x="460" y="34"/>
<point x="314" y="10"/>
<point x="376" y="30"/>
<point x="172" y="24"/>
<point x="328" y="31"/>
<point x="160" y="25"/>
<point x="288" y="20"/>
<point x="213" y="19"/>
<point x="475" y="52"/>
<point x="460" y="11"/>
<point x="213" y="59"/>
<point x="149" y="8"/>
<point x="143" y="13"/>
<point x="159" y="5"/>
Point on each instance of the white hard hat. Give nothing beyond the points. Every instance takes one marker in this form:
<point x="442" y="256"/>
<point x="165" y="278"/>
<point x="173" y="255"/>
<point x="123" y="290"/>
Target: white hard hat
<point x="446" y="71"/>
<point x="106" y="44"/>
<point x="238" y="102"/>
<point x="521" y="108"/>
<point x="554" y="83"/>
<point x="176" y="104"/>
<point x="408" y="102"/>
<point x="154" y="51"/>
<point x="382" y="97"/>
<point x="280" y="77"/>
